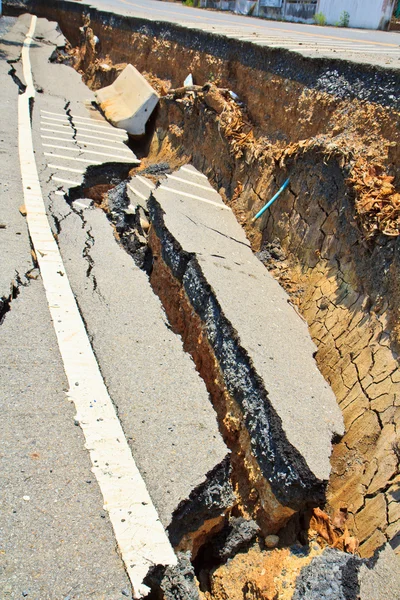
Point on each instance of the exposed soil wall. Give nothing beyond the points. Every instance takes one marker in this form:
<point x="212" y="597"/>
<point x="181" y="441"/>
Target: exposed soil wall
<point x="334" y="128"/>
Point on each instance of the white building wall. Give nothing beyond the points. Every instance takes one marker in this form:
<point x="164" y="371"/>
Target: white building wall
<point x="368" y="14"/>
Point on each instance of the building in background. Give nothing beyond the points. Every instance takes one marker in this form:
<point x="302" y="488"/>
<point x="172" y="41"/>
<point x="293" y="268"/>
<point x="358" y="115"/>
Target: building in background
<point x="368" y="14"/>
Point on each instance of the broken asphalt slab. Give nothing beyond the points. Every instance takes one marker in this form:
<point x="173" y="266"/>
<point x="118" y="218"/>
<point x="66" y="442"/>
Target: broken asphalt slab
<point x="162" y="402"/>
<point x="262" y="346"/>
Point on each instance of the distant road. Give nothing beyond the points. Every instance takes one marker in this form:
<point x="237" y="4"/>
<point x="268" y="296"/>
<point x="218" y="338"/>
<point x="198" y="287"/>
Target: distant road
<point x="359" y="45"/>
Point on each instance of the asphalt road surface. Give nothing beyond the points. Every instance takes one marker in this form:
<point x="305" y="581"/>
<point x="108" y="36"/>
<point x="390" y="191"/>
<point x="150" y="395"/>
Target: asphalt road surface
<point x="359" y="45"/>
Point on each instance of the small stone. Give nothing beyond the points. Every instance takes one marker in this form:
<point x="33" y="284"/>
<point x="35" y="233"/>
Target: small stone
<point x="26" y="498"/>
<point x="271" y="541"/>
<point x="3" y="226"/>
<point x="24" y="594"/>
<point x="125" y="592"/>
<point x="22" y="210"/>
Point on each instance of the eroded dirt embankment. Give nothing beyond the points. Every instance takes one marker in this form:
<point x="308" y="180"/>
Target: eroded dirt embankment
<point x="331" y="239"/>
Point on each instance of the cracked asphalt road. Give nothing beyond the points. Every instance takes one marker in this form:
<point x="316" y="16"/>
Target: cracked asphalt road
<point x="56" y="540"/>
<point x="357" y="45"/>
<point x="53" y="501"/>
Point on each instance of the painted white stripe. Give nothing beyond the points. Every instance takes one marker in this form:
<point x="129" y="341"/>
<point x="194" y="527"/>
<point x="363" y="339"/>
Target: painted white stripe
<point x="192" y="196"/>
<point x="100" y="119"/>
<point x="89" y="151"/>
<point x="64" y="147"/>
<point x="97" y="124"/>
<point x="48" y="112"/>
<point x="66" y="127"/>
<point x="193" y="172"/>
<point x="145" y="198"/>
<point x="84" y="160"/>
<point x="61" y="168"/>
<point x="117" y="146"/>
<point x="141" y="538"/>
<point x="203" y="187"/>
<point x="59" y="139"/>
<point x="104" y="131"/>
<point x="91" y="120"/>
<point x="56" y="120"/>
<point x="26" y="64"/>
<point x="63" y="127"/>
<point x="67" y="181"/>
<point x="80" y="136"/>
<point x="146" y="182"/>
<point x="97" y="137"/>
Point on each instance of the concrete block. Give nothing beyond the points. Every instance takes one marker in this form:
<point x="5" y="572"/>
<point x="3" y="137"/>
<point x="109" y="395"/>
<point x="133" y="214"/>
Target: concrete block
<point x="129" y="101"/>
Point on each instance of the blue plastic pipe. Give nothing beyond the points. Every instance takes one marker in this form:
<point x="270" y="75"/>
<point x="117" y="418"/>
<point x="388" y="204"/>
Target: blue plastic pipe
<point x="278" y="193"/>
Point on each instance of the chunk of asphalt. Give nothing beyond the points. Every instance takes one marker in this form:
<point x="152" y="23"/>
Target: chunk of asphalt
<point x="177" y="582"/>
<point x="238" y="535"/>
<point x="335" y="574"/>
<point x="261" y="345"/>
<point x="162" y="402"/>
<point x="208" y="501"/>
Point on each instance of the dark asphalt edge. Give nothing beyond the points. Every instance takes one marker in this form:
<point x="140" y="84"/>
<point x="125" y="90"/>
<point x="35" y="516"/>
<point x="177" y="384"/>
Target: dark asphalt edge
<point x="339" y="77"/>
<point x="291" y="480"/>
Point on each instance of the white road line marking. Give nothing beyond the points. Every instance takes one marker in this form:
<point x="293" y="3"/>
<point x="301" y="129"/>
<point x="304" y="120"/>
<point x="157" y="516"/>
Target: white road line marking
<point x="94" y="119"/>
<point x="100" y="120"/>
<point x="48" y="112"/>
<point x="84" y="160"/>
<point x="73" y="149"/>
<point x="175" y="191"/>
<point x="56" y="119"/>
<point x="88" y="151"/>
<point x="96" y="137"/>
<point x="138" y="530"/>
<point x="145" y="198"/>
<point x="26" y="61"/>
<point x="104" y="130"/>
<point x="146" y="182"/>
<point x="63" y="127"/>
<point x="61" y="168"/>
<point x="193" y="172"/>
<point x="98" y="124"/>
<point x="117" y="146"/>
<point x="80" y="136"/>
<point x="67" y="181"/>
<point x="67" y="126"/>
<point x="203" y="187"/>
<point x="53" y="137"/>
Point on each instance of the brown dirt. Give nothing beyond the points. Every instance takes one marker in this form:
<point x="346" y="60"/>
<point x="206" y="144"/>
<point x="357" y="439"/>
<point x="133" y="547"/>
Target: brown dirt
<point x="259" y="575"/>
<point x="337" y="224"/>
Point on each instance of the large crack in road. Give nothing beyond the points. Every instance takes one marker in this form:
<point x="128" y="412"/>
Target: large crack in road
<point x="215" y="504"/>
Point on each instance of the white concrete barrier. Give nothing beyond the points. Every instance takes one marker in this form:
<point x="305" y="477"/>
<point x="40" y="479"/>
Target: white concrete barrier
<point x="129" y="101"/>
